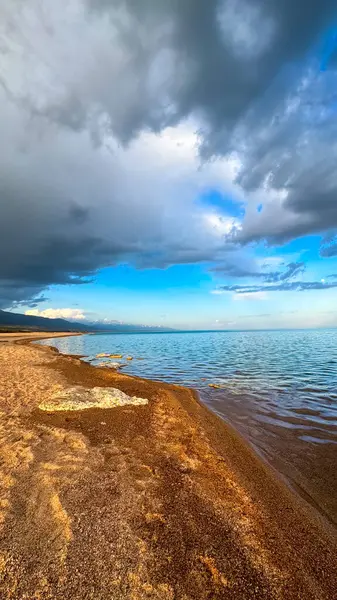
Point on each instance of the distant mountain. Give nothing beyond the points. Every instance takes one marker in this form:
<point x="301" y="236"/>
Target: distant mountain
<point x="15" y="321"/>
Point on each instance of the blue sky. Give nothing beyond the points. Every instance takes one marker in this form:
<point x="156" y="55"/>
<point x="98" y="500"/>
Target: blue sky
<point x="170" y="163"/>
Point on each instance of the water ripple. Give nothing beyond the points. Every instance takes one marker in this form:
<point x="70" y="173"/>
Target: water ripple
<point x="291" y="374"/>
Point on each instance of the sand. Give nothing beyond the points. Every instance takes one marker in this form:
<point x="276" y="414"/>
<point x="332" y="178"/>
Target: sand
<point x="158" y="500"/>
<point x="31" y="335"/>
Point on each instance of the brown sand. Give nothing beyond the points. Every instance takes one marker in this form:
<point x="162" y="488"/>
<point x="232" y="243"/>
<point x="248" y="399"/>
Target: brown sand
<point x="160" y="501"/>
<point x="31" y="335"/>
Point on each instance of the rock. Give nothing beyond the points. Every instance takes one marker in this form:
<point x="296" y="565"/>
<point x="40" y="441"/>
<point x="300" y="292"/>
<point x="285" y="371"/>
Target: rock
<point x="79" y="398"/>
<point x="214" y="385"/>
<point x="115" y="355"/>
<point x="102" y="355"/>
<point x="110" y="365"/>
<point x="129" y="358"/>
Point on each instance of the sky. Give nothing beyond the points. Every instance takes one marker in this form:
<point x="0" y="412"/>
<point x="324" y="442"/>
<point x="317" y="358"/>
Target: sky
<point x="170" y="163"/>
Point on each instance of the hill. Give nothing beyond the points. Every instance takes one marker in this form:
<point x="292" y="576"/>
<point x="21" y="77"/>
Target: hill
<point x="10" y="321"/>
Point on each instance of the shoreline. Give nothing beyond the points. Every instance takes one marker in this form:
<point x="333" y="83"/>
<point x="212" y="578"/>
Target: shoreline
<point x="318" y="497"/>
<point x="196" y="512"/>
<point x="35" y="336"/>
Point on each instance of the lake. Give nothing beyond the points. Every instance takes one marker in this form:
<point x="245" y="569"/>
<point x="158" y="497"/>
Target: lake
<point x="277" y="388"/>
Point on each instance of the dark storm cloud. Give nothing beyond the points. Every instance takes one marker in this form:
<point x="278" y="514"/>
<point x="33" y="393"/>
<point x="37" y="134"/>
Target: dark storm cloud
<point x="30" y="304"/>
<point x="16" y="293"/>
<point x="310" y="205"/>
<point x="45" y="240"/>
<point x="41" y="247"/>
<point x="120" y="68"/>
<point x="214" y="60"/>
<point x="227" y="52"/>
<point x="292" y="149"/>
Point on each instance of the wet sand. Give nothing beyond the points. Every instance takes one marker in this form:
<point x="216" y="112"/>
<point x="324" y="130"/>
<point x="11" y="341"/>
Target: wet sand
<point x="159" y="501"/>
<point x="17" y="336"/>
<point x="308" y="466"/>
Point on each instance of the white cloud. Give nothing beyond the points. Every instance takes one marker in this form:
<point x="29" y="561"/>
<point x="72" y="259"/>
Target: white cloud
<point x="221" y="225"/>
<point x="243" y="295"/>
<point x="251" y="296"/>
<point x="274" y="262"/>
<point x="222" y="324"/>
<point x="73" y="314"/>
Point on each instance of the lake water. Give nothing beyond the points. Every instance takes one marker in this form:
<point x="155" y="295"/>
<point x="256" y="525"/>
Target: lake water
<point x="278" y="388"/>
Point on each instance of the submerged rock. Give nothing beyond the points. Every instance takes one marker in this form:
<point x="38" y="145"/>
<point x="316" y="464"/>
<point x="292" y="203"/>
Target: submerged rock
<point x="129" y="358"/>
<point x="80" y="398"/>
<point x="110" y="365"/>
<point x="214" y="385"/>
<point x="115" y="355"/>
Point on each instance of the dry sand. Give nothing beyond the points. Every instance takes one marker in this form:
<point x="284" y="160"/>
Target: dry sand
<point x="159" y="500"/>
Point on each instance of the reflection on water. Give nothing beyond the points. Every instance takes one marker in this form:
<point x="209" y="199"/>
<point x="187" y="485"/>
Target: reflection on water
<point x="279" y="388"/>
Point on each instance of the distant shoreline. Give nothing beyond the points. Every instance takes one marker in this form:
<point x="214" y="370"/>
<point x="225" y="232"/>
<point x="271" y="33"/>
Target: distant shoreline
<point x="34" y="335"/>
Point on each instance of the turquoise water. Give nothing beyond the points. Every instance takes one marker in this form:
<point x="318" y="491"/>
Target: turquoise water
<point x="278" y="388"/>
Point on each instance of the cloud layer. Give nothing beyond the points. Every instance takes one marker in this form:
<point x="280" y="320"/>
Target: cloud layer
<point x="72" y="314"/>
<point x="286" y="279"/>
<point x="287" y="286"/>
<point x="118" y="116"/>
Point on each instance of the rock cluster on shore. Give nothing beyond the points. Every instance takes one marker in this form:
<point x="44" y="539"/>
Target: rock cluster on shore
<point x="80" y="398"/>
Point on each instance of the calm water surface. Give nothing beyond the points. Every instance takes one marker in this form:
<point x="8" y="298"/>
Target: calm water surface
<point x="278" y="388"/>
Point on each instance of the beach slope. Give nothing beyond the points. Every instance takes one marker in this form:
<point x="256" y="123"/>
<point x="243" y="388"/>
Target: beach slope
<point x="157" y="498"/>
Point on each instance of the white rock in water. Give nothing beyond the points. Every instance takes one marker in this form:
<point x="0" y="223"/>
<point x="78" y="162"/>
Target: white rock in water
<point x="80" y="398"/>
<point x="110" y="365"/>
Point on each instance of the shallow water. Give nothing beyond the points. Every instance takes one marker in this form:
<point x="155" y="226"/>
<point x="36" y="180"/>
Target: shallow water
<point x="278" y="388"/>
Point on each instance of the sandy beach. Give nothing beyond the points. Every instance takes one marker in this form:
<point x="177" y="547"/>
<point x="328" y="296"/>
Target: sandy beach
<point x="17" y="336"/>
<point x="155" y="499"/>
